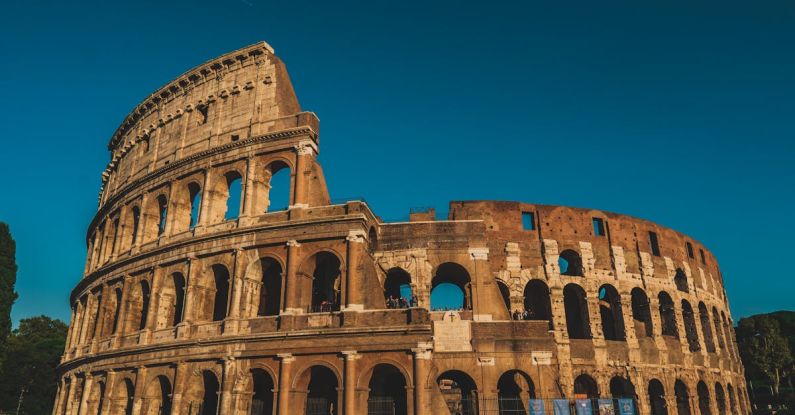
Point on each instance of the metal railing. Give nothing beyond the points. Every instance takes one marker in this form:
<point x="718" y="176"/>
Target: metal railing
<point x="518" y="406"/>
<point x="320" y="406"/>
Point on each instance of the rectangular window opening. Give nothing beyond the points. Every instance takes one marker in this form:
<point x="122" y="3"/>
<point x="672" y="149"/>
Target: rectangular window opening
<point x="598" y="227"/>
<point x="655" y="245"/>
<point x="235" y="137"/>
<point x="528" y="221"/>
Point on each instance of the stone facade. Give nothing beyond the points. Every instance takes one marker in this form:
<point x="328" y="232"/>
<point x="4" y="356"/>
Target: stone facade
<point x="193" y="303"/>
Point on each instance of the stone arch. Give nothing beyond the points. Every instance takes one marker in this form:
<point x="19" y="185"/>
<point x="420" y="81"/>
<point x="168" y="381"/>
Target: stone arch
<point x="657" y="398"/>
<point x="704" y="406"/>
<point x="641" y="313"/>
<point x="537" y="301"/>
<point x="682" y="398"/>
<point x="320" y="383"/>
<point x="621" y="387"/>
<point x="680" y="281"/>
<point x="202" y="392"/>
<point x="585" y="386"/>
<point x="277" y="189"/>
<point x="732" y="399"/>
<point x="706" y="327"/>
<point x="233" y="197"/>
<point x="123" y="395"/>
<point x="96" y="398"/>
<point x="146" y="300"/>
<point x="171" y="301"/>
<point x="135" y="224"/>
<point x="156" y="214"/>
<point x="570" y="263"/>
<point x="157" y="397"/>
<point x="111" y="309"/>
<point x="222" y="281"/>
<point x="720" y="399"/>
<point x="452" y="274"/>
<point x="262" y="387"/>
<point x="387" y="390"/>
<point x="460" y="392"/>
<point x="611" y="314"/>
<point x="186" y="205"/>
<point x="690" y="326"/>
<point x="264" y="286"/>
<point x="514" y="388"/>
<point x="396" y="285"/>
<point x="668" y="315"/>
<point x="578" y="323"/>
<point x="324" y="269"/>
<point x="505" y="293"/>
<point x="718" y="328"/>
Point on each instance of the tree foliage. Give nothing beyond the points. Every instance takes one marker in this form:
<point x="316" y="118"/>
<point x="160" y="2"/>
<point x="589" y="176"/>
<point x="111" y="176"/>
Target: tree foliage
<point x="765" y="350"/>
<point x="8" y="277"/>
<point x="28" y="374"/>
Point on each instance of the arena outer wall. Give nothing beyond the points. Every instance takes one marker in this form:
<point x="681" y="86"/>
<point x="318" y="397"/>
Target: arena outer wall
<point x="184" y="301"/>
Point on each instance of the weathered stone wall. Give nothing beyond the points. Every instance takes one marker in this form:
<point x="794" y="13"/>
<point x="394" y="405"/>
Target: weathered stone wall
<point x="185" y="302"/>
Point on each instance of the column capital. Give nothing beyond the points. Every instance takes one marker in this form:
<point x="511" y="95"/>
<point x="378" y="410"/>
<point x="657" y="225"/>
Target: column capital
<point x="285" y="357"/>
<point x="350" y="354"/>
<point x="479" y="254"/>
<point x="306" y="148"/>
<point x="356" y="236"/>
<point x="293" y="243"/>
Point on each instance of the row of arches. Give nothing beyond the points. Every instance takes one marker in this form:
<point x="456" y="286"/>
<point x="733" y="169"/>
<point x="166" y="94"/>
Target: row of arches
<point x="191" y="202"/>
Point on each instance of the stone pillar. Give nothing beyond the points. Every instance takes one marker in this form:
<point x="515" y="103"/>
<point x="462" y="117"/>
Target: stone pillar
<point x="154" y="303"/>
<point x="349" y="401"/>
<point x="178" y="392"/>
<point x="422" y="361"/>
<point x="227" y="384"/>
<point x="291" y="299"/>
<point x="305" y="150"/>
<point x="284" y="383"/>
<point x="237" y="285"/>
<point x="353" y="282"/>
<point x="60" y="397"/>
<point x="83" y="409"/>
<point x="107" y="399"/>
<point x="183" y="327"/>
<point x="205" y="202"/>
<point x="248" y="191"/>
<point x="140" y="390"/>
<point x="69" y="400"/>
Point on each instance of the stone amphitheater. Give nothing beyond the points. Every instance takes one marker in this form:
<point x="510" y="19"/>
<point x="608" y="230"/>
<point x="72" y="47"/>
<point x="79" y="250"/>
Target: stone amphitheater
<point x="203" y="295"/>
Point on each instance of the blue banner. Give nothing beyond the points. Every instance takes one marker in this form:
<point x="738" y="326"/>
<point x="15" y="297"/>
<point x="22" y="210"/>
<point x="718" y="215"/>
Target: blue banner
<point x="626" y="407"/>
<point x="583" y="406"/>
<point x="561" y="406"/>
<point x="536" y="407"/>
<point x="606" y="407"/>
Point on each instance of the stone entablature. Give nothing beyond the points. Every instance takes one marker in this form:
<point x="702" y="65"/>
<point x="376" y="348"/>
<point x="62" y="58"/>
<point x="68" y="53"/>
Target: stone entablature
<point x="187" y="304"/>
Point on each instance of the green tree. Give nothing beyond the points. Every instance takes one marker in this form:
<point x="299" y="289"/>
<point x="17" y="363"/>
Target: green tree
<point x="764" y="350"/>
<point x="8" y="277"/>
<point x="34" y="351"/>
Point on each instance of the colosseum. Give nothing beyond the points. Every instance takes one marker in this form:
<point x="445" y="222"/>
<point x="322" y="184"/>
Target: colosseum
<point x="222" y="279"/>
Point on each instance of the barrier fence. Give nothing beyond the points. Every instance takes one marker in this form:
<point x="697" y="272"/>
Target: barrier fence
<point x="517" y="406"/>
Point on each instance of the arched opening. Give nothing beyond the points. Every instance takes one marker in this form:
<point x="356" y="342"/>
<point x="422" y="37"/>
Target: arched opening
<point x="397" y="289"/>
<point x="221" y="300"/>
<point x="123" y="398"/>
<point x="611" y="313"/>
<point x="195" y="197"/>
<point x="537" y="302"/>
<point x="372" y="239"/>
<point x="321" y="397"/>
<point x="718" y="328"/>
<point x="162" y="212"/>
<point x="682" y="398"/>
<point x="732" y="399"/>
<point x="136" y="221"/>
<point x="387" y="392"/>
<point x="657" y="398"/>
<point x="270" y="293"/>
<point x="451" y="288"/>
<point x="720" y="399"/>
<point x="234" y="194"/>
<point x="96" y="399"/>
<point x="278" y="187"/>
<point x="262" y="398"/>
<point x="172" y="298"/>
<point x="578" y="323"/>
<point x="667" y="315"/>
<point x="570" y="263"/>
<point x="690" y="327"/>
<point x="585" y="387"/>
<point x="621" y="388"/>
<point x="680" y="280"/>
<point x="641" y="314"/>
<point x="326" y="283"/>
<point x="505" y="294"/>
<point x="145" y="294"/>
<point x="703" y="399"/>
<point x="514" y="388"/>
<point x="158" y="397"/>
<point x="116" y="310"/>
<point x="459" y="392"/>
<point x="706" y="327"/>
<point x="179" y="298"/>
<point x="209" y="403"/>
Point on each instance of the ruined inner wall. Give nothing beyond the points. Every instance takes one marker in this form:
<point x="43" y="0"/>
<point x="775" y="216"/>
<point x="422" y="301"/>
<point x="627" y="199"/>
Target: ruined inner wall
<point x="192" y="302"/>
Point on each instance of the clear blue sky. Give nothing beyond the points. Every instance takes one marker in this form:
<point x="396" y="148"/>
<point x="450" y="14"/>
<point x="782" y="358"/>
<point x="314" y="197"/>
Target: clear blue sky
<point x="676" y="111"/>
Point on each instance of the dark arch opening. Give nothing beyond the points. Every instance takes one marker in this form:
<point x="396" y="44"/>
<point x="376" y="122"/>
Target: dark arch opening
<point x="690" y="327"/>
<point x="397" y="289"/>
<point x="537" y="302"/>
<point x="680" y="280"/>
<point x="641" y="314"/>
<point x="162" y="211"/>
<point x="668" y="315"/>
<point x="732" y="398"/>
<point x="271" y="290"/>
<point x="657" y="398"/>
<point x="136" y="215"/>
<point x="720" y="399"/>
<point x="611" y="314"/>
<point x="101" y="397"/>
<point x="116" y="311"/>
<point x="718" y="328"/>
<point x="514" y="388"/>
<point x="321" y="398"/>
<point x="194" y="193"/>
<point x="570" y="263"/>
<point x="706" y="327"/>
<point x="179" y="297"/>
<point x="621" y="388"/>
<point x="703" y="399"/>
<point x="234" y="188"/>
<point x="459" y="392"/>
<point x="209" y="405"/>
<point x="585" y="386"/>
<point x="505" y="294"/>
<point x="262" y="398"/>
<point x="578" y="323"/>
<point x="451" y="278"/>
<point x="145" y="294"/>
<point x="221" y="300"/>
<point x="387" y="392"/>
<point x="160" y="397"/>
<point x="682" y="398"/>
<point x="326" y="283"/>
